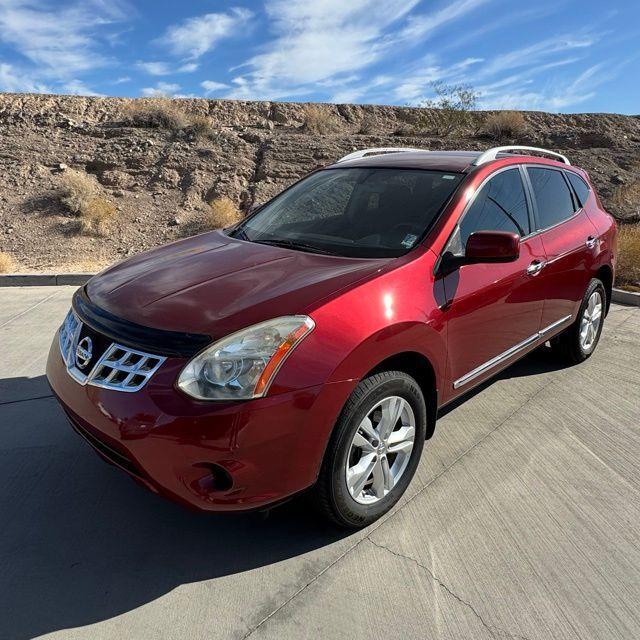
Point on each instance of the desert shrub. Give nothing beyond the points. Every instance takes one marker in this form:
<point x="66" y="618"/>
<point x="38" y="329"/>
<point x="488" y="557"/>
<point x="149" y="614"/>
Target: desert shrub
<point x="320" y="121"/>
<point x="80" y="194"/>
<point x="504" y="124"/>
<point x="156" y="113"/>
<point x="628" y="269"/>
<point x="76" y="189"/>
<point x="625" y="200"/>
<point x="200" y="126"/>
<point x="168" y="114"/>
<point x="367" y="125"/>
<point x="222" y="213"/>
<point x="452" y="109"/>
<point x="96" y="215"/>
<point x="7" y="263"/>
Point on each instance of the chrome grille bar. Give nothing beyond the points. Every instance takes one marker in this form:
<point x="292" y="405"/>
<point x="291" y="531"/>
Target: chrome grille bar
<point x="119" y="368"/>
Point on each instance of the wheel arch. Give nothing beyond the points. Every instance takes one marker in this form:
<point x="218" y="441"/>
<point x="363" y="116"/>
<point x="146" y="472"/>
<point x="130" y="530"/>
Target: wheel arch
<point x="605" y="275"/>
<point x="419" y="367"/>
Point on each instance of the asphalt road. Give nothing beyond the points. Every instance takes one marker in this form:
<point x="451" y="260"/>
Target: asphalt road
<point x="522" y="522"/>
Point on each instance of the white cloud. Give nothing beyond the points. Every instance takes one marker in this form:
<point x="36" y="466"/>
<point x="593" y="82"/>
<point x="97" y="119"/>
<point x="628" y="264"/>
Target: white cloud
<point x="415" y="88"/>
<point x="533" y="54"/>
<point x="317" y="41"/>
<point x="351" y="92"/>
<point x="78" y="88"/>
<point x="12" y="81"/>
<point x="155" y="68"/>
<point x="211" y="86"/>
<point x="60" y="41"/>
<point x="505" y="23"/>
<point x="189" y="67"/>
<point x="162" y="89"/>
<point x="193" y="37"/>
<point x="510" y="93"/>
<point x="421" y="26"/>
<point x="165" y="69"/>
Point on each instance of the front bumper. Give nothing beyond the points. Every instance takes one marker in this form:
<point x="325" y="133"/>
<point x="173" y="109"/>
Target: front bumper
<point x="211" y="456"/>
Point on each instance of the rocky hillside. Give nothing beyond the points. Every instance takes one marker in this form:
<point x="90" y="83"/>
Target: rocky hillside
<point x="161" y="172"/>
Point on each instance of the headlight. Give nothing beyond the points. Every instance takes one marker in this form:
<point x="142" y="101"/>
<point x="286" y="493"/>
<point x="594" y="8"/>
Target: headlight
<point x="242" y="365"/>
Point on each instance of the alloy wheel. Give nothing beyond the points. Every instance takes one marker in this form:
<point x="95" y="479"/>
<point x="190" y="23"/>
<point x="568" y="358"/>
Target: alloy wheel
<point x="590" y="322"/>
<point x="380" y="450"/>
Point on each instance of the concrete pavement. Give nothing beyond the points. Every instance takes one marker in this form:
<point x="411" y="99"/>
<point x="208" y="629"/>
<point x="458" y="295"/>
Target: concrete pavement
<point x="522" y="521"/>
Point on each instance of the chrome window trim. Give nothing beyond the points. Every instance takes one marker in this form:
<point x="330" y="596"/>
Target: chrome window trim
<point x="573" y="189"/>
<point x="531" y="202"/>
<point x="510" y="167"/>
<point x="505" y="355"/>
<point x="536" y="165"/>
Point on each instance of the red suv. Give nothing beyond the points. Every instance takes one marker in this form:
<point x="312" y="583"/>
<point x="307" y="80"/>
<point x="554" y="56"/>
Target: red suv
<point x="312" y="344"/>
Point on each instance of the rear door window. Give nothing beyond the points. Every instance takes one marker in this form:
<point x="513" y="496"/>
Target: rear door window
<point x="580" y="187"/>
<point x="501" y="205"/>
<point x="553" y="196"/>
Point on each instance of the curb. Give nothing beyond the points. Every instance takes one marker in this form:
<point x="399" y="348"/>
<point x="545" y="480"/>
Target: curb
<point x="626" y="297"/>
<point x="43" y="279"/>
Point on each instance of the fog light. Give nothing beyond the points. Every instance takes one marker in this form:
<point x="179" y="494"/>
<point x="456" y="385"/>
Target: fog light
<point x="217" y="479"/>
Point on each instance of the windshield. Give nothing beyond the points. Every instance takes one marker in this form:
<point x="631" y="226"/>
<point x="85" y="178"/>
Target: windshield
<point x="370" y="213"/>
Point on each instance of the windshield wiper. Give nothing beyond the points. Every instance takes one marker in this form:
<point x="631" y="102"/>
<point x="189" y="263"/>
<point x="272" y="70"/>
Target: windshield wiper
<point x="292" y="244"/>
<point x="240" y="233"/>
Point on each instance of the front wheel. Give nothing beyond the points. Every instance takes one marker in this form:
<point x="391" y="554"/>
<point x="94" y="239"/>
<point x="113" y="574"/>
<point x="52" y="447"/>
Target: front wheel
<point x="374" y="449"/>
<point x="579" y="341"/>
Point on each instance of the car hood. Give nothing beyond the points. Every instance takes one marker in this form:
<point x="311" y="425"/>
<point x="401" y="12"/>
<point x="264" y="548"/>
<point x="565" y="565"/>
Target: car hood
<point x="215" y="284"/>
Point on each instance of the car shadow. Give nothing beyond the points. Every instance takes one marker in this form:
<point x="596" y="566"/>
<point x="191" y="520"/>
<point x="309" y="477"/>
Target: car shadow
<point x="81" y="543"/>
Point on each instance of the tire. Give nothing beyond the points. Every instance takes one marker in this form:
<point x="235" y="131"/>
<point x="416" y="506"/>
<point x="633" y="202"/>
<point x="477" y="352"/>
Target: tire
<point x="570" y="346"/>
<point x="337" y="491"/>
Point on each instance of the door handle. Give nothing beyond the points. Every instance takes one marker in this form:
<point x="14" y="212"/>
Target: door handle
<point x="591" y="242"/>
<point x="535" y="268"/>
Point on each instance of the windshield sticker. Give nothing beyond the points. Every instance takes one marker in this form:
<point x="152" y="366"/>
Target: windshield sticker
<point x="409" y="240"/>
<point x="448" y="177"/>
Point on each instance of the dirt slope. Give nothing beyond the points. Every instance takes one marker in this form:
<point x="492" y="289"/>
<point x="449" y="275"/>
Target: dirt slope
<point x="162" y="179"/>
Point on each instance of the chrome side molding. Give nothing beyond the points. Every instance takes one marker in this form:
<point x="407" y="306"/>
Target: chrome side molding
<point x="551" y="327"/>
<point x="505" y="355"/>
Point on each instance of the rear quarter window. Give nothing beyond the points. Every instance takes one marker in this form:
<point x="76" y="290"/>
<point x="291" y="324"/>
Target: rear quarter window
<point x="552" y="194"/>
<point x="580" y="187"/>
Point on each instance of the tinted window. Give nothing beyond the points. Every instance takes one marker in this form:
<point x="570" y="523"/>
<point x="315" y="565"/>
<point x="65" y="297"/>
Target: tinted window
<point x="353" y="212"/>
<point x="552" y="194"/>
<point x="501" y="205"/>
<point x="579" y="186"/>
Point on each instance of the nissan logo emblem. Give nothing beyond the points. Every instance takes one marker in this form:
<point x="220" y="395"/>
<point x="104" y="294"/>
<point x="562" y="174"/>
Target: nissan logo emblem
<point x="84" y="351"/>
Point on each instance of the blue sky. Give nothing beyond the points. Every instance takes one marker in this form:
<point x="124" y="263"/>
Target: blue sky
<point x="553" y="55"/>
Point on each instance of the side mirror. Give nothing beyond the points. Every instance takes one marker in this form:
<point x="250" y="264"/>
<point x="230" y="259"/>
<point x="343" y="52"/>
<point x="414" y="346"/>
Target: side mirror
<point x="492" y="246"/>
<point x="483" y="246"/>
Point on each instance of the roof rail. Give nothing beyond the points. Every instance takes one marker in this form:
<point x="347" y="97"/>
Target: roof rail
<point x="376" y="151"/>
<point x="492" y="154"/>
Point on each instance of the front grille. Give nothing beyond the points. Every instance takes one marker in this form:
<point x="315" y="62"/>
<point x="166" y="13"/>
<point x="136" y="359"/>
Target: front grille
<point x="69" y="338"/>
<point x="124" y="369"/>
<point x="108" y="364"/>
<point x="99" y="345"/>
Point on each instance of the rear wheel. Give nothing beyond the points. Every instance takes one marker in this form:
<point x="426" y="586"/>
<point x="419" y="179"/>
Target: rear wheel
<point x="374" y="450"/>
<point x="580" y="340"/>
